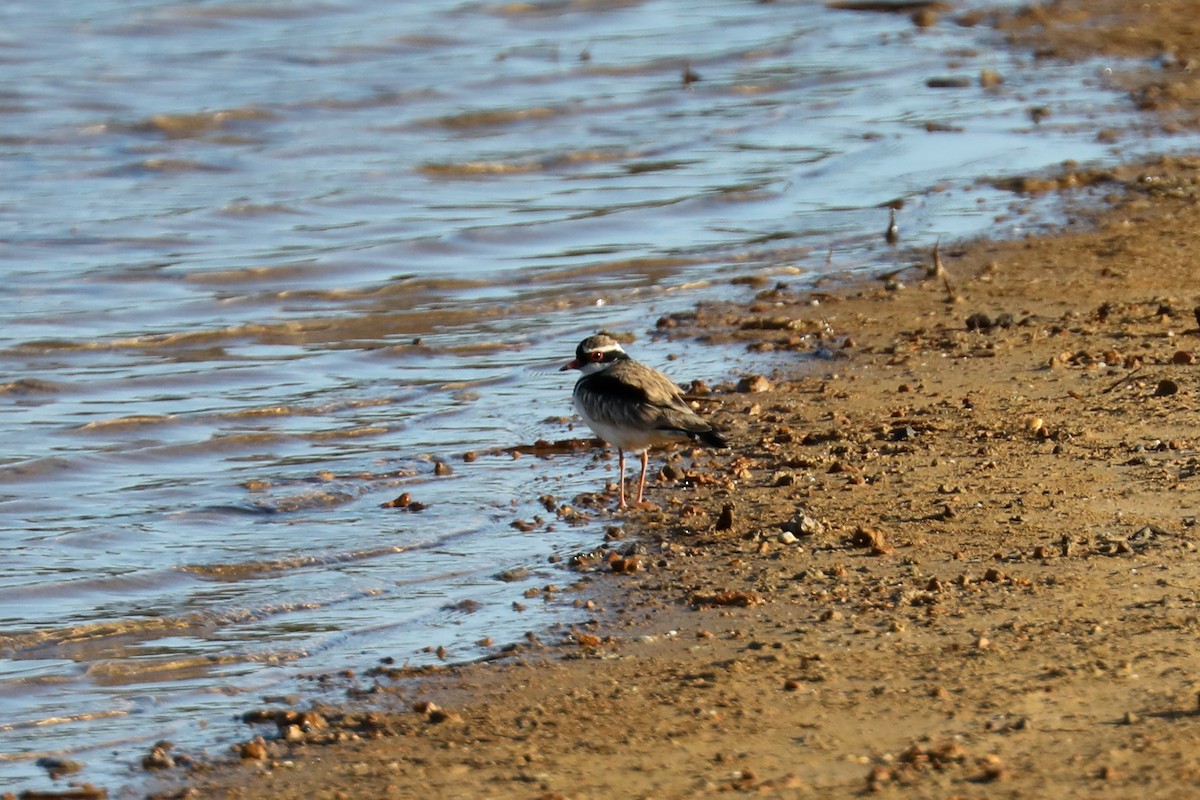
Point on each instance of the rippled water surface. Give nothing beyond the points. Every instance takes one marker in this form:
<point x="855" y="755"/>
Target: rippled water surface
<point x="266" y="264"/>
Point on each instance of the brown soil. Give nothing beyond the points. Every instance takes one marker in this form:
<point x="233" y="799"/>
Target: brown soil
<point x="952" y="553"/>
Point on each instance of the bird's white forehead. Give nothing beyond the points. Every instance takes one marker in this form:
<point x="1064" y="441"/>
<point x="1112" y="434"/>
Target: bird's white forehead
<point x="599" y="344"/>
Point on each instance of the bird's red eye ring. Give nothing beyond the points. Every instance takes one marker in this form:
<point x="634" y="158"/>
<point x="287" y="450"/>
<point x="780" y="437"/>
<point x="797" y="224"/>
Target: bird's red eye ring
<point x="596" y="355"/>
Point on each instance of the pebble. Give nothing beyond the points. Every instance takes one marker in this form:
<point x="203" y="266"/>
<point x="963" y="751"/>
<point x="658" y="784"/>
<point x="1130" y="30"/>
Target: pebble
<point x="725" y="521"/>
<point x="925" y="17"/>
<point x="587" y="640"/>
<point x="754" y="384"/>
<point x="406" y="502"/>
<point x="440" y="715"/>
<point x="870" y="538"/>
<point x="949" y="82"/>
<point x="1166" y="388"/>
<point x="512" y="575"/>
<point x="253" y="750"/>
<point x="808" y="525"/>
<point x="625" y="565"/>
<point x="159" y="757"/>
<point x="990" y="79"/>
<point x="982" y="322"/>
<point x="57" y="767"/>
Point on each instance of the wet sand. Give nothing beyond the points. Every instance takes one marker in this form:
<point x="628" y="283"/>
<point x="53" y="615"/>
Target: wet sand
<point x="951" y="553"/>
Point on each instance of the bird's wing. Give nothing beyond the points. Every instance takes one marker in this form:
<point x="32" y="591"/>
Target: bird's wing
<point x="648" y="398"/>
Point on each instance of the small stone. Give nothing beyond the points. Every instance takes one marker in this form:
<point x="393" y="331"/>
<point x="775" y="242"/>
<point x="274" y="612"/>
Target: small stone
<point x="57" y="767"/>
<point x="948" y="82"/>
<point x="871" y="538"/>
<point x="808" y="525"/>
<point x="754" y="384"/>
<point x="441" y="469"/>
<point x="512" y="575"/>
<point x="406" y="502"/>
<point x="879" y="777"/>
<point x="979" y="322"/>
<point x="159" y="757"/>
<point x="787" y="537"/>
<point x="991" y="769"/>
<point x="253" y="750"/>
<point x="587" y="640"/>
<point x="440" y="715"/>
<point x="725" y="521"/>
<point x="627" y="565"/>
<point x="1166" y="388"/>
<point x="925" y="17"/>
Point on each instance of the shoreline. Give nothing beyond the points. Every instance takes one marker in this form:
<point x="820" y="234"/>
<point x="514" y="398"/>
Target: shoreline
<point x="957" y="561"/>
<point x="949" y="492"/>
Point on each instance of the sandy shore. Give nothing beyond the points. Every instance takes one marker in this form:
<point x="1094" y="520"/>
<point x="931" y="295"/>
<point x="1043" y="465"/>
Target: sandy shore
<point x="952" y="553"/>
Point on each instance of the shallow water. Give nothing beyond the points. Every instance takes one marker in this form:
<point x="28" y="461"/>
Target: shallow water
<point x="266" y="264"/>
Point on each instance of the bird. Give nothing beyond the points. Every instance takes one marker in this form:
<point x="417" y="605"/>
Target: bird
<point x="632" y="406"/>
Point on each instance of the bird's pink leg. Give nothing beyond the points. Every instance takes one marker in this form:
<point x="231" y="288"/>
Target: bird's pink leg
<point x="621" y="477"/>
<point x="642" y="481"/>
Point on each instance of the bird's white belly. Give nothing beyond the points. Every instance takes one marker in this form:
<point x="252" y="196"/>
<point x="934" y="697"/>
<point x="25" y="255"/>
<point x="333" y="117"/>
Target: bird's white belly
<point x="628" y="438"/>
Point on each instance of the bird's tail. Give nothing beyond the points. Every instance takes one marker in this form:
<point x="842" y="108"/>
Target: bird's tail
<point x="711" y="438"/>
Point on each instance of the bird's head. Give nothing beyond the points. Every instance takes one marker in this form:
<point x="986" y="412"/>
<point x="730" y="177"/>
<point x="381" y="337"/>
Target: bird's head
<point x="596" y="353"/>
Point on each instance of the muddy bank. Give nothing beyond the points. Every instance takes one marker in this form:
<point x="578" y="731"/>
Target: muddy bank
<point x="953" y="551"/>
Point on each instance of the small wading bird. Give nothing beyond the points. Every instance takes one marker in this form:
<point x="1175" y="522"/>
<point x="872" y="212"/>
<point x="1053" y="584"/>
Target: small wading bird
<point x="632" y="406"/>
